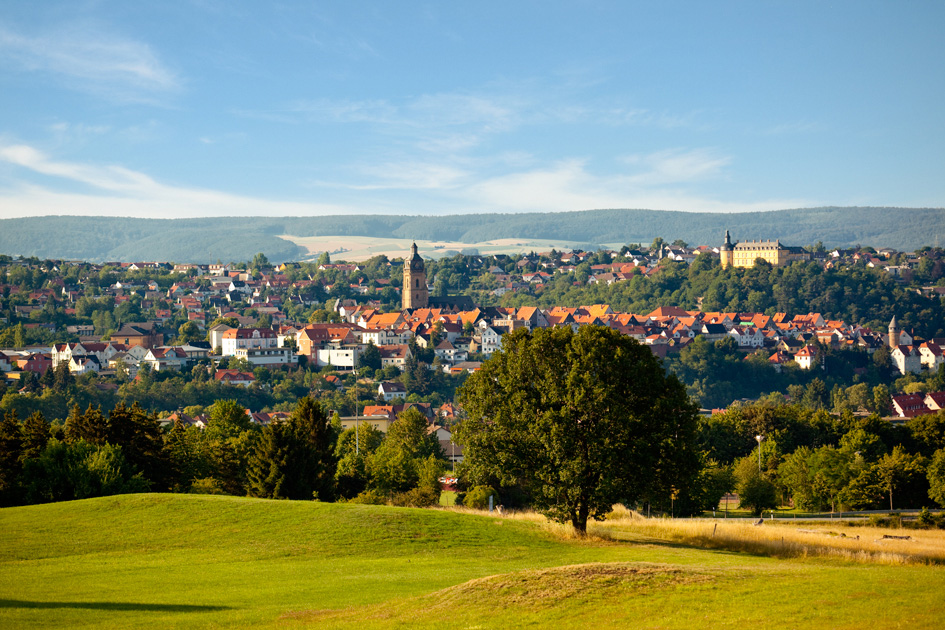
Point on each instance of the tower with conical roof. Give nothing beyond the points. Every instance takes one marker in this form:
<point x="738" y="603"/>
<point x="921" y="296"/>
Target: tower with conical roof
<point x="727" y="252"/>
<point x="415" y="293"/>
<point x="894" y="333"/>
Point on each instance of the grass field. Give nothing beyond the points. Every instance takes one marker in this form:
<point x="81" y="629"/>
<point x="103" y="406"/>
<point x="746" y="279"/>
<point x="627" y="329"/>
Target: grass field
<point x="189" y="561"/>
<point x="360" y="248"/>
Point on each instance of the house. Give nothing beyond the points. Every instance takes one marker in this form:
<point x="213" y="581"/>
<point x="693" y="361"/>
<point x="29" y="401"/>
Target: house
<point x="807" y="357"/>
<point x="906" y="359"/>
<point x="931" y="355"/>
<point x="83" y="364"/>
<point x="234" y="377"/>
<point x="935" y="401"/>
<point x="395" y="355"/>
<point x="259" y="346"/>
<point x="139" y="334"/>
<point x="749" y="337"/>
<point x="910" y="405"/>
<point x="391" y="390"/>
<point x="168" y="358"/>
<point x="449" y="353"/>
<point x="779" y="359"/>
<point x="453" y="451"/>
<point x="713" y="332"/>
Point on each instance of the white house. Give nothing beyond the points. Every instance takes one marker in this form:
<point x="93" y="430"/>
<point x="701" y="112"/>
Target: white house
<point x="907" y="359"/>
<point x="390" y="390"/>
<point x="259" y="346"/>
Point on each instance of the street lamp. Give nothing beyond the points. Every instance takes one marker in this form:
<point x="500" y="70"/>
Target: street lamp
<point x="759" y="438"/>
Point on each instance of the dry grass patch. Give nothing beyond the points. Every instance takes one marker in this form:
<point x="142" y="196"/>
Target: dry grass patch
<point x="779" y="538"/>
<point x="786" y="539"/>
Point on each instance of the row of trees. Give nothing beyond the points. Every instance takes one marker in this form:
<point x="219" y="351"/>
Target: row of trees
<point x="306" y="457"/>
<point x="818" y="460"/>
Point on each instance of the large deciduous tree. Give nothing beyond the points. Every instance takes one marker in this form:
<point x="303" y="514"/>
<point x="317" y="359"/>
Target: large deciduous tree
<point x="579" y="419"/>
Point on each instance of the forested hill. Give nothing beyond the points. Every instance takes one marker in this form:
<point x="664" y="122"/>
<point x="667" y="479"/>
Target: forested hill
<point x="239" y="238"/>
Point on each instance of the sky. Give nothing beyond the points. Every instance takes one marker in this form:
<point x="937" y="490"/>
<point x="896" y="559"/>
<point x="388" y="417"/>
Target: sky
<point x="187" y="108"/>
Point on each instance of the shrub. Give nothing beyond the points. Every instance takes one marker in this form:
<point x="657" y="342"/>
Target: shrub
<point x="891" y="521"/>
<point x="418" y="497"/>
<point x="369" y="497"/>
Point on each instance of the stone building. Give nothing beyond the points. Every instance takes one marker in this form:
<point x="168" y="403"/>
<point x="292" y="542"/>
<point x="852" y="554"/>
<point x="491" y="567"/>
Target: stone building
<point x="745" y="253"/>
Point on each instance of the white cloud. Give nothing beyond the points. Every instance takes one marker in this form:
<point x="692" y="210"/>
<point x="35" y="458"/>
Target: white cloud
<point x="659" y="181"/>
<point x="569" y="186"/>
<point x="92" y="60"/>
<point x="676" y="166"/>
<point x="413" y="176"/>
<point x="118" y="191"/>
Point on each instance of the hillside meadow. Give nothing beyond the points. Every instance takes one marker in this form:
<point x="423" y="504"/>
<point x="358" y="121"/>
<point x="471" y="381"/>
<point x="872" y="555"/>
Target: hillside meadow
<point x="191" y="561"/>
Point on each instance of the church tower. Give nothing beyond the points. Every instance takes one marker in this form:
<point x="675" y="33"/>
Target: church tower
<point x="727" y="252"/>
<point x="415" y="294"/>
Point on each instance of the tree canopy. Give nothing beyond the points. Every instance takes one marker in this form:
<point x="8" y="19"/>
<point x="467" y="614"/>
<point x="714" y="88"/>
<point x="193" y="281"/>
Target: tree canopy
<point x="580" y="420"/>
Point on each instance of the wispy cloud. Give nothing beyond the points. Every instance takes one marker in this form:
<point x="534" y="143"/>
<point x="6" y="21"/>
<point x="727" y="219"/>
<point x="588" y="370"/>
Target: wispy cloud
<point x="118" y="191"/>
<point x="456" y="122"/>
<point x="568" y="185"/>
<point x="676" y="166"/>
<point x="92" y="60"/>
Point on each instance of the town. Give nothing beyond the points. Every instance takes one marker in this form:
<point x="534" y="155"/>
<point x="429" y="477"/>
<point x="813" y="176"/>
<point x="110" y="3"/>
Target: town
<point x="113" y="320"/>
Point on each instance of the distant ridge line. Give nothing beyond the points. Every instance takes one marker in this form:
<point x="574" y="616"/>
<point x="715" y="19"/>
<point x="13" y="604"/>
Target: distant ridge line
<point x="130" y="239"/>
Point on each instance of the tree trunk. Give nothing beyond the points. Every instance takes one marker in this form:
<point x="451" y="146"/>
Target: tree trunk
<point x="579" y="520"/>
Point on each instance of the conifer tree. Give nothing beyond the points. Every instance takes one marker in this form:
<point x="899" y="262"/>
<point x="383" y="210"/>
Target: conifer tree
<point x="11" y="446"/>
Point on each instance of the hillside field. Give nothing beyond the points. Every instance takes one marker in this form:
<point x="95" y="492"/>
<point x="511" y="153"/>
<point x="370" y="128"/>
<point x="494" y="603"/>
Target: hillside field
<point x="360" y="248"/>
<point x="188" y="561"/>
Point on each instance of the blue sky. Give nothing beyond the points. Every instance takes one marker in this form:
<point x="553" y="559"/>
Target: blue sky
<point x="220" y="108"/>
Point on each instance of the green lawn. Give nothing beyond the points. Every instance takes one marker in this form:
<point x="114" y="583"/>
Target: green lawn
<point x="169" y="561"/>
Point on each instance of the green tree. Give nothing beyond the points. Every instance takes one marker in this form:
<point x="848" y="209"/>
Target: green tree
<point x="882" y="401"/>
<point x="581" y="420"/>
<point x="229" y="441"/>
<point x="755" y="491"/>
<point x="79" y="470"/>
<point x="189" y="332"/>
<point x="396" y="465"/>
<point x="370" y="357"/>
<point x="936" y="477"/>
<point x="11" y="449"/>
<point x="294" y="460"/>
<point x="353" y="451"/>
<point x="897" y="470"/>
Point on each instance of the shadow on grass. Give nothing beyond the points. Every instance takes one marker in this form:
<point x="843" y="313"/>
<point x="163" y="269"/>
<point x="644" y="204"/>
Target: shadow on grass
<point x="117" y="606"/>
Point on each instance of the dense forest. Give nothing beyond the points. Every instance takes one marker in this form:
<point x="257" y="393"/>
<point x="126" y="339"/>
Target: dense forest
<point x="238" y="238"/>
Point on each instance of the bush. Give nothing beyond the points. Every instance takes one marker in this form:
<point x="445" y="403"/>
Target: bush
<point x="369" y="497"/>
<point x="418" y="497"/>
<point x="891" y="521"/>
<point x="478" y="498"/>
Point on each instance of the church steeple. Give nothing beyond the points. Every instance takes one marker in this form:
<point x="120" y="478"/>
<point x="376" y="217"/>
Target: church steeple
<point x="414" y="292"/>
